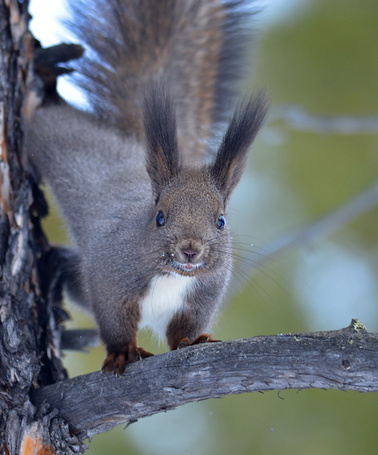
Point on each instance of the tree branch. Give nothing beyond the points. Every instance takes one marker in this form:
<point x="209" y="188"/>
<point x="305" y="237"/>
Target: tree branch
<point x="350" y="210"/>
<point x="345" y="359"/>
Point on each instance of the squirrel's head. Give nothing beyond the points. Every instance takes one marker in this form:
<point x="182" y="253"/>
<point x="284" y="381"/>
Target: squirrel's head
<point x="190" y="204"/>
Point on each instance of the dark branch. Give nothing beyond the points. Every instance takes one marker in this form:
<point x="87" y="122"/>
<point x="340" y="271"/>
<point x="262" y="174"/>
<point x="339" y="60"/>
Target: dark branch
<point x="344" y="359"/>
<point x="79" y="339"/>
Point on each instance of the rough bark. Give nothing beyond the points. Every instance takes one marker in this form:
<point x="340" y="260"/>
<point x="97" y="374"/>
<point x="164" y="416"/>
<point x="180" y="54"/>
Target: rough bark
<point x="345" y="359"/>
<point x="29" y="329"/>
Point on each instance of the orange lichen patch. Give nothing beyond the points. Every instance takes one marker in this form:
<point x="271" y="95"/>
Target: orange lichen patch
<point x="34" y="446"/>
<point x="32" y="443"/>
<point x="4" y="166"/>
<point x="4" y="449"/>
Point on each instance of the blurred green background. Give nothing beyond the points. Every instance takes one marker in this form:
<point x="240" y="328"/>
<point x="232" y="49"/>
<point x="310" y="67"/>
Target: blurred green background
<point x="320" y="56"/>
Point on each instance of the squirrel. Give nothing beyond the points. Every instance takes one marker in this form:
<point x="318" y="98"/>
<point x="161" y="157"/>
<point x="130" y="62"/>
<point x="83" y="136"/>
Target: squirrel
<point x="144" y="197"/>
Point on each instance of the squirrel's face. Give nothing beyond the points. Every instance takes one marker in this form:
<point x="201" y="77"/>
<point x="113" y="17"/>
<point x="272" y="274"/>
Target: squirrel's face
<point x="190" y="225"/>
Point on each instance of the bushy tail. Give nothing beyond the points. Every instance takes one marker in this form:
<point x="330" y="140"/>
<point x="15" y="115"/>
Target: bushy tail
<point x="197" y="47"/>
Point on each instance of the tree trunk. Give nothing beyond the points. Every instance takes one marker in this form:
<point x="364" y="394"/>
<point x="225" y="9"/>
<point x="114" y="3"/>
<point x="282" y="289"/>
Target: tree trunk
<point x="29" y="333"/>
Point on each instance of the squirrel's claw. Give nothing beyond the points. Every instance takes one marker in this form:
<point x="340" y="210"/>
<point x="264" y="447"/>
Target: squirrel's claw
<point x="116" y="362"/>
<point x="204" y="338"/>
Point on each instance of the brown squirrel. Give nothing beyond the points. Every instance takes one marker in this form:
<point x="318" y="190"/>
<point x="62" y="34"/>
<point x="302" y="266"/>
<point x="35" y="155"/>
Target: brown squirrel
<point x="144" y="198"/>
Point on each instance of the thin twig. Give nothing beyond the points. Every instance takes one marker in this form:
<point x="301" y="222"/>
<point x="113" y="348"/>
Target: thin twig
<point x="300" y="119"/>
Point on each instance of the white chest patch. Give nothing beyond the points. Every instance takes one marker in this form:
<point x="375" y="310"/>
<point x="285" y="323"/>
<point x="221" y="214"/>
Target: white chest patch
<point x="165" y="296"/>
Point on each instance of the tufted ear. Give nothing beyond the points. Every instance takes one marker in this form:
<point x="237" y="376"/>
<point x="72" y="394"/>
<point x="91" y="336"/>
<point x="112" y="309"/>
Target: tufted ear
<point x="161" y="136"/>
<point x="231" y="158"/>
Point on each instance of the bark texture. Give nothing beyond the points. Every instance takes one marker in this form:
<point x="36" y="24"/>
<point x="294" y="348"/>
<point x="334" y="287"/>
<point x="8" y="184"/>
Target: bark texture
<point x="29" y="324"/>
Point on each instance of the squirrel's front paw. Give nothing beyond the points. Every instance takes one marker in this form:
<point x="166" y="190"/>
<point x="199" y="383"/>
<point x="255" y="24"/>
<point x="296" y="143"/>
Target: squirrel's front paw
<point x="116" y="362"/>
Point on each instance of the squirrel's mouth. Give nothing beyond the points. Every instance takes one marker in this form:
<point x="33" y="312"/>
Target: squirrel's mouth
<point x="186" y="268"/>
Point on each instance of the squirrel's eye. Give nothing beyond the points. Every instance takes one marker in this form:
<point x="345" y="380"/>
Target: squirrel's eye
<point x="160" y="220"/>
<point x="221" y="223"/>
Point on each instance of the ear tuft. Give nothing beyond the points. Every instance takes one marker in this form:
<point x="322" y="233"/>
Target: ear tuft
<point x="231" y="158"/>
<point x="161" y="137"/>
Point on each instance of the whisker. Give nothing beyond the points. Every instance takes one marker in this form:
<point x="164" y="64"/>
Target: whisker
<point x="247" y="280"/>
<point x="256" y="265"/>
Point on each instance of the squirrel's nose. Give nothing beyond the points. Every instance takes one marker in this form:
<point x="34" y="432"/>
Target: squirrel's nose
<point x="190" y="254"/>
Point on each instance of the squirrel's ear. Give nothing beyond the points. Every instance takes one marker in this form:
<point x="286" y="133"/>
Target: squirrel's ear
<point x="231" y="158"/>
<point x="161" y="137"/>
